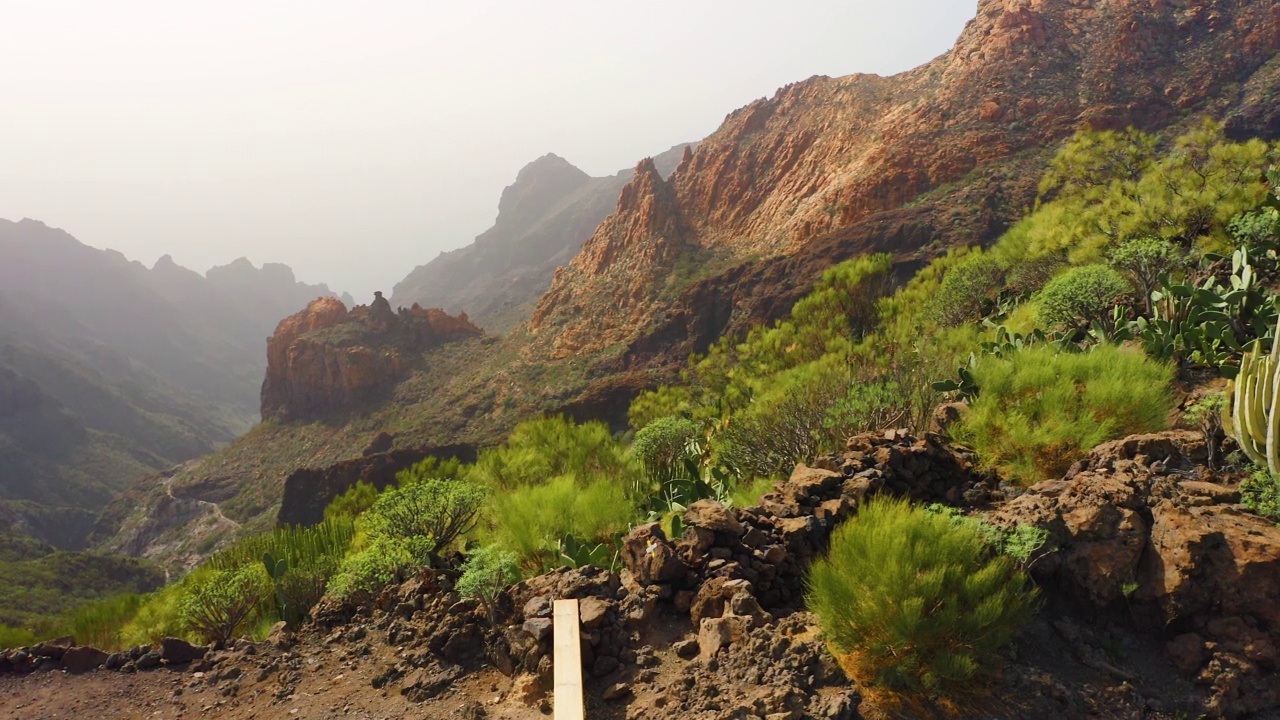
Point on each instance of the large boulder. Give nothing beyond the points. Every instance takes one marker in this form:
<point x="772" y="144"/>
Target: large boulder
<point x="82" y="659"/>
<point x="649" y="557"/>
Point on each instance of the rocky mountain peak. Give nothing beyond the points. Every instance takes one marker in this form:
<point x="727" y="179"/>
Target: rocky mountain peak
<point x="542" y="183"/>
<point x="620" y="266"/>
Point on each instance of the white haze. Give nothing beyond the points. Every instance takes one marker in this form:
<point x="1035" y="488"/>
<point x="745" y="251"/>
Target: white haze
<point x="355" y="140"/>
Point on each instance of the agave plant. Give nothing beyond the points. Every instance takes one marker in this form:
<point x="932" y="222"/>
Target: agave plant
<point x="1253" y="418"/>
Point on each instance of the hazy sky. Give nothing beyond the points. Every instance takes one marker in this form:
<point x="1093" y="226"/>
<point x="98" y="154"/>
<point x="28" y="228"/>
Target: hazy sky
<point x="355" y="140"/>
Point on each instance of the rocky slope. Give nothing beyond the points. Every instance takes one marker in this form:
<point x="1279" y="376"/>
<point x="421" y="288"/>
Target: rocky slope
<point x="830" y="154"/>
<point x="713" y="624"/>
<point x="543" y="219"/>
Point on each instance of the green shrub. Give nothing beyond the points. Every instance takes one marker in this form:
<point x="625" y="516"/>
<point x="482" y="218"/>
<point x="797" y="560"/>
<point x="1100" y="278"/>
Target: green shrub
<point x="1144" y="261"/>
<point x="353" y="502"/>
<point x="298" y="560"/>
<point x="433" y="467"/>
<point x="969" y="291"/>
<point x="384" y="561"/>
<point x="1038" y="410"/>
<point x="486" y="573"/>
<point x="100" y="623"/>
<point x="909" y="600"/>
<point x="1261" y="494"/>
<point x="532" y="520"/>
<point x="160" y="616"/>
<point x="801" y="413"/>
<point x="433" y="508"/>
<point x="660" y="446"/>
<point x="666" y="401"/>
<point x="219" y="603"/>
<point x="1028" y="275"/>
<point x="1080" y="297"/>
<point x="539" y="450"/>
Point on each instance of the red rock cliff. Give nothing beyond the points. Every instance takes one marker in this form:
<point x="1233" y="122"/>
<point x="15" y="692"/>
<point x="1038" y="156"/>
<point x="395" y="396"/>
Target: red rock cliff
<point x="829" y="153"/>
<point x="327" y="359"/>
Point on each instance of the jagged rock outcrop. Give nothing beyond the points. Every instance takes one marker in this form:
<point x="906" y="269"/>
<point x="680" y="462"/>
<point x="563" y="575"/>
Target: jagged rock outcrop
<point x="327" y="359"/>
<point x="1142" y="525"/>
<point x="829" y="154"/>
<point x="628" y="256"/>
<point x="543" y="219"/>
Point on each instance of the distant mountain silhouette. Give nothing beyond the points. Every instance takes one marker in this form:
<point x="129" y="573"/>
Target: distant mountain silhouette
<point x="110" y="370"/>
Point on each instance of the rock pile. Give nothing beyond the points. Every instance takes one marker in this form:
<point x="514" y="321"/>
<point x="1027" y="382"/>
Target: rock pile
<point x="64" y="654"/>
<point x="763" y="550"/>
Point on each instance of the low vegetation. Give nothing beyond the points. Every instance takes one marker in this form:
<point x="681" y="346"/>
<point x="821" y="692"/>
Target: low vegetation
<point x="911" y="601"/>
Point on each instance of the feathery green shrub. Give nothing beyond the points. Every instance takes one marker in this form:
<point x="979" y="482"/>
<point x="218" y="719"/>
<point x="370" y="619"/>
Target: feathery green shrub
<point x="531" y="520"/>
<point x="803" y="412"/>
<point x="660" y="447"/>
<point x="353" y="502"/>
<point x="100" y="623"/>
<point x="1039" y="410"/>
<point x="385" y="560"/>
<point x="909" y="600"/>
<point x="539" y="450"/>
<point x="12" y="637"/>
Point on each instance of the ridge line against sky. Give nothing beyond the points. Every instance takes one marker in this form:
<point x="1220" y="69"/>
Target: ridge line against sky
<point x="354" y="141"/>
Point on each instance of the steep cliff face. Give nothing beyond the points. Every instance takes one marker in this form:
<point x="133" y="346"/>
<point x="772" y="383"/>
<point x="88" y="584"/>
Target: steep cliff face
<point x="543" y="219"/>
<point x="830" y="153"/>
<point x="625" y="261"/>
<point x="327" y="359"/>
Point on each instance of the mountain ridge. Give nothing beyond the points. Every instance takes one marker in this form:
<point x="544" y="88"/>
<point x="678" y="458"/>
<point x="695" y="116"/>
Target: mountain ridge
<point x="543" y="218"/>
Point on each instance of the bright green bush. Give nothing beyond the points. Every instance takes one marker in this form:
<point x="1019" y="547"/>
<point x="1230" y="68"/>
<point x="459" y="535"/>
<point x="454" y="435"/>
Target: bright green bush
<point x="666" y="401"/>
<point x="1038" y="410"/>
<point x="842" y="308"/>
<point x="660" y="446"/>
<point x="160" y="616"/>
<point x="219" y="603"/>
<point x="1080" y="297"/>
<point x="433" y="467"/>
<point x="1261" y="494"/>
<point x="1108" y="187"/>
<point x="485" y="573"/>
<point x="1028" y="275"/>
<point x="969" y="291"/>
<point x="350" y="504"/>
<point x="301" y="561"/>
<point x="433" y="508"/>
<point x="539" y="450"/>
<point x="908" y="600"/>
<point x="385" y="560"/>
<point x="531" y="520"/>
<point x="100" y="623"/>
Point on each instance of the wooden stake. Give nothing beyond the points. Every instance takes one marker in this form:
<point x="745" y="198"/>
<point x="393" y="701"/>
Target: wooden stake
<point x="568" y="662"/>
